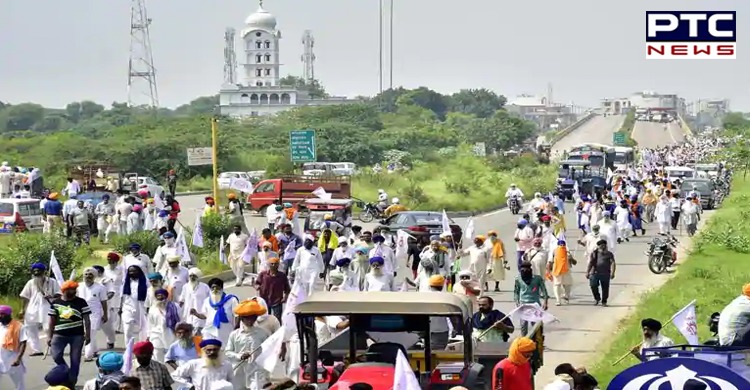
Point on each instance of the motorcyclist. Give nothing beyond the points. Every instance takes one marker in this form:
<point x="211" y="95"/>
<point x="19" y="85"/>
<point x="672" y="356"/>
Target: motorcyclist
<point x="395" y="207"/>
<point x="513" y="192"/>
<point x="382" y="200"/>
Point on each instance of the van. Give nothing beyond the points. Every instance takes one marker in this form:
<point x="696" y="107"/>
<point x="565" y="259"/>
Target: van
<point x="20" y="215"/>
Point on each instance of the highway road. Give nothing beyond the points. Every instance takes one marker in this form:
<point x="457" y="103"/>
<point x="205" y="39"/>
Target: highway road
<point x="653" y="134"/>
<point x="598" y="129"/>
<point x="582" y="326"/>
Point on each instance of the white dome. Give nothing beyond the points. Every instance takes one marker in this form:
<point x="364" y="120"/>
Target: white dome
<point x="261" y="19"/>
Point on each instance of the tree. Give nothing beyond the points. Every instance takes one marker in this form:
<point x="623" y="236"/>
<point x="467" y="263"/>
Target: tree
<point x="480" y="102"/>
<point x="23" y="116"/>
<point x="51" y="122"/>
<point x="314" y="89"/>
<point x="425" y="98"/>
<point x="84" y="110"/>
<point x="204" y="105"/>
<point x="736" y="123"/>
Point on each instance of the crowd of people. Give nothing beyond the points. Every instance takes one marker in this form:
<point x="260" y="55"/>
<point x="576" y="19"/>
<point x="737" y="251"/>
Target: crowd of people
<point x="195" y="335"/>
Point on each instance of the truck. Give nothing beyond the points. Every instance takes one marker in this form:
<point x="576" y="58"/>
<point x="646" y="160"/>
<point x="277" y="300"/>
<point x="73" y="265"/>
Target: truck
<point x="295" y="189"/>
<point x="601" y="156"/>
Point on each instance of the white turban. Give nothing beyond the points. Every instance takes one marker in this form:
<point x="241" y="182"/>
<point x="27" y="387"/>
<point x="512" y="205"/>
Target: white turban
<point x="195" y="271"/>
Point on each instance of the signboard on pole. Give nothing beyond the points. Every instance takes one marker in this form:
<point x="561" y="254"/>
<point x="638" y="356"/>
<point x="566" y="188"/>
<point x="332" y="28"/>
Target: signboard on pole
<point x="302" y="146"/>
<point x="199" y="156"/>
<point x="618" y="139"/>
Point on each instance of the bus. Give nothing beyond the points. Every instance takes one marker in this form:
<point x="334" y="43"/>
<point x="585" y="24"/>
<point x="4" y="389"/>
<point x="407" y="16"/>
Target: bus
<point x="624" y="156"/>
<point x="600" y="156"/>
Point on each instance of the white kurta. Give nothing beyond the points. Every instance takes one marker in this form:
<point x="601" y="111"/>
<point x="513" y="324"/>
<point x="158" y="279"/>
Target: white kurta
<point x="382" y="282"/>
<point x="35" y="290"/>
<point x="479" y="259"/>
<point x="142" y="261"/>
<point x="307" y="265"/>
<point x="384" y="251"/>
<point x="94" y="295"/>
<point x="241" y="341"/>
<point x="198" y="374"/>
<point x="158" y="332"/>
<point x="7" y="357"/>
<point x="176" y="278"/>
<point x="222" y="333"/>
<point x="192" y="297"/>
<point x="162" y="254"/>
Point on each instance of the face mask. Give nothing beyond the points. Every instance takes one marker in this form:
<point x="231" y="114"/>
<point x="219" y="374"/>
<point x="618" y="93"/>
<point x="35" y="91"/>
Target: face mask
<point x="169" y="241"/>
<point x="526" y="273"/>
<point x="308" y="245"/>
<point x="521" y="226"/>
<point x="5" y="320"/>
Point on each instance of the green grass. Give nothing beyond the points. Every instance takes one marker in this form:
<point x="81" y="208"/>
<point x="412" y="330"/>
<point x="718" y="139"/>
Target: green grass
<point x="713" y="274"/>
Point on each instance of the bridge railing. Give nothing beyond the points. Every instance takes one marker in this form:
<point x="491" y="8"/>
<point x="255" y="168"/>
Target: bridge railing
<point x="564" y="132"/>
<point x="685" y="127"/>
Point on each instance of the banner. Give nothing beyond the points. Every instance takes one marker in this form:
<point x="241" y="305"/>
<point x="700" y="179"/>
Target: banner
<point x="685" y="321"/>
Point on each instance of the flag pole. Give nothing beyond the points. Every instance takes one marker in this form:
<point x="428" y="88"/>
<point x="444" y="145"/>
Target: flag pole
<point x="641" y="343"/>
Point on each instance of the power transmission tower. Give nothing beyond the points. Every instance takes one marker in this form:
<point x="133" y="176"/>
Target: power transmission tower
<point x="230" y="58"/>
<point x="308" y="57"/>
<point x="141" y="71"/>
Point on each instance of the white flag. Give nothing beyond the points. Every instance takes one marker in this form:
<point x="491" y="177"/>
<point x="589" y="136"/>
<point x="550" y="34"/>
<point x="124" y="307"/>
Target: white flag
<point x="158" y="202"/>
<point x="404" y="287"/>
<point x="575" y="188"/>
<point x="296" y="296"/>
<point x="469" y="229"/>
<point x="321" y="193"/>
<point x="55" y="267"/>
<point x="532" y="312"/>
<point x="269" y="355"/>
<point x="127" y="357"/>
<point x="685" y="321"/>
<point x="402" y="244"/>
<point x="251" y="247"/>
<point x="222" y="256"/>
<point x="403" y="375"/>
<point x="72" y="275"/>
<point x="198" y="232"/>
<point x="182" y="248"/>
<point x="446" y="223"/>
<point x="241" y="185"/>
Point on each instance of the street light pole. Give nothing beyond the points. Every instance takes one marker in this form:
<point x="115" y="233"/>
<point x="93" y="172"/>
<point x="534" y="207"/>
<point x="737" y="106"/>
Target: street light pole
<point x="380" y="46"/>
<point x="390" y="44"/>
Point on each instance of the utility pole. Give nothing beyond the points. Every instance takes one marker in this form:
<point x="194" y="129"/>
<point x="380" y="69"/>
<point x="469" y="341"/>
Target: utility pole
<point x="390" y="44"/>
<point x="380" y="46"/>
<point x="141" y="62"/>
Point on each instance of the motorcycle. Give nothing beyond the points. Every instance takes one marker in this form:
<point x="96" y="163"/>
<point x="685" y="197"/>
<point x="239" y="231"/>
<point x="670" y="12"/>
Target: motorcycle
<point x="370" y="212"/>
<point x="662" y="253"/>
<point x="515" y="205"/>
<point x="713" y="327"/>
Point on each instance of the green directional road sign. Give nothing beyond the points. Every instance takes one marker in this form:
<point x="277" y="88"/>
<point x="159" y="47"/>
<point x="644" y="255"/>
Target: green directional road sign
<point x="302" y="146"/>
<point x="619" y="139"/>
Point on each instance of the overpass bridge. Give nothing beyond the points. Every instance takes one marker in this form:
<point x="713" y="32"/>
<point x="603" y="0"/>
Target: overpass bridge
<point x="653" y="134"/>
<point x="598" y="129"/>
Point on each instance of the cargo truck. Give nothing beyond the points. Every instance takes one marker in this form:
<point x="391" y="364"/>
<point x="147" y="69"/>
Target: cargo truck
<point x="295" y="189"/>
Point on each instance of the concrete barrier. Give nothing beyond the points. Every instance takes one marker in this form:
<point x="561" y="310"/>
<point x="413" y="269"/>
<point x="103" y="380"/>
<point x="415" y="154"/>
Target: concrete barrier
<point x="564" y="132"/>
<point x="685" y="127"/>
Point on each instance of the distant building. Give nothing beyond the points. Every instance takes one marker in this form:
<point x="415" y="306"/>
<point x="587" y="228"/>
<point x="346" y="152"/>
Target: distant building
<point x="545" y="114"/>
<point x="259" y="92"/>
<point x="647" y="100"/>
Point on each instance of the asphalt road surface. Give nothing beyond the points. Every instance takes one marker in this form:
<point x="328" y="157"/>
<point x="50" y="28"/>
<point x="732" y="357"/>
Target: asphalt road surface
<point x="653" y="134"/>
<point x="598" y="129"/>
<point x="581" y="328"/>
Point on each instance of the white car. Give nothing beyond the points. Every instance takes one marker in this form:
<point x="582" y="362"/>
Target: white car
<point x="13" y="210"/>
<point x="151" y="185"/>
<point x="225" y="178"/>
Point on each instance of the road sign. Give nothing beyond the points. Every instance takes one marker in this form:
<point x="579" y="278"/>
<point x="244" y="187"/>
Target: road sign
<point x="480" y="149"/>
<point x="200" y="156"/>
<point x="619" y="139"/>
<point x="302" y="146"/>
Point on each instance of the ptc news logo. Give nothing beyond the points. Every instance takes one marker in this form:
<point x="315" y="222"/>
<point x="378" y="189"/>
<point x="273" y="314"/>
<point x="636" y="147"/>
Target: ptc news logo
<point x="691" y="35"/>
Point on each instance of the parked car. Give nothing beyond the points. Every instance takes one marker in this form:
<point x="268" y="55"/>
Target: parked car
<point x="421" y="225"/>
<point x="148" y="183"/>
<point x="225" y="178"/>
<point x="705" y="189"/>
<point x="95" y="197"/>
<point x="20" y="215"/>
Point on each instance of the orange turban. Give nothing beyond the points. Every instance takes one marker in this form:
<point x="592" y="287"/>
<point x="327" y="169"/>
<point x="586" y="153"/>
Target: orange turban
<point x="53" y="196"/>
<point x="271" y="260"/>
<point x="69" y="285"/>
<point x="232" y="196"/>
<point x="520" y="346"/>
<point x="746" y="290"/>
<point x="250" y="307"/>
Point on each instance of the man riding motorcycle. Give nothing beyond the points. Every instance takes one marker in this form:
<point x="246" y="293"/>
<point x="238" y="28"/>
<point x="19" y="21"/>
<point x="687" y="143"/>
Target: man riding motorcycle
<point x="382" y="200"/>
<point x="513" y="192"/>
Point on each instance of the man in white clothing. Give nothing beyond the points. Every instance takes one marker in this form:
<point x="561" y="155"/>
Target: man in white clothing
<point x="382" y="250"/>
<point x="135" y="257"/>
<point x="244" y="344"/>
<point x="113" y="275"/>
<point x="308" y="263"/>
<point x="73" y="188"/>
<point x="105" y="215"/>
<point x="206" y="373"/>
<point x="512" y="192"/>
<point x="164" y="251"/>
<point x="37" y="295"/>
<point x="663" y="214"/>
<point x="96" y="296"/>
<point x="194" y="293"/>
<point x="175" y="277"/>
<point x="479" y="259"/>
<point x="11" y="353"/>
<point x="218" y="311"/>
<point x="133" y="304"/>
<point x="237" y="241"/>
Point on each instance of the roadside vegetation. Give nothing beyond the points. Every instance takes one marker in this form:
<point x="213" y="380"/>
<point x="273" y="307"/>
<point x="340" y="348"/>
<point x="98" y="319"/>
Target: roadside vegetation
<point x="713" y="274"/>
<point x="627" y="129"/>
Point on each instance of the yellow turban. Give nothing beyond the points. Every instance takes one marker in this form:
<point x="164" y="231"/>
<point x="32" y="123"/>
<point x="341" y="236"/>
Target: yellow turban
<point x="520" y="346"/>
<point x="480" y="238"/>
<point x="437" y="281"/>
<point x="492" y="233"/>
<point x="746" y="289"/>
<point x="250" y="307"/>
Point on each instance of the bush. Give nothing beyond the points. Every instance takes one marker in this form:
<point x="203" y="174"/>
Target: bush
<point x="148" y="241"/>
<point x="464" y="182"/>
<point x="214" y="226"/>
<point x="24" y="249"/>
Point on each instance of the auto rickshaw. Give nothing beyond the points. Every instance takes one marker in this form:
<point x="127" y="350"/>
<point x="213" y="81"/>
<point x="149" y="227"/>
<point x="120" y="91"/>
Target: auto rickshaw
<point x="339" y="209"/>
<point x="383" y="323"/>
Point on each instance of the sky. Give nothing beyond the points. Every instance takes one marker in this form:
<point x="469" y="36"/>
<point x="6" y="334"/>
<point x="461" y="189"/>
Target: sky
<point x="53" y="52"/>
